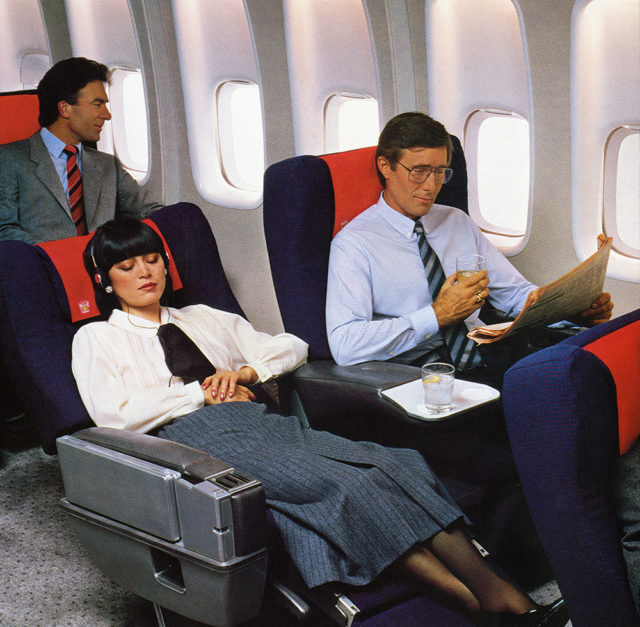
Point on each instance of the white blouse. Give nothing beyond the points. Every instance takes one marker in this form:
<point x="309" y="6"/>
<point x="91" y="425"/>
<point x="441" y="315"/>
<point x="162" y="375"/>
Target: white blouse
<point x="124" y="381"/>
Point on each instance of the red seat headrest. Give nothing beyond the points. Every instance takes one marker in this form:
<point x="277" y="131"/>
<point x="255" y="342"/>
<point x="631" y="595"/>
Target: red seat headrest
<point x="355" y="183"/>
<point x="620" y="351"/>
<point x="18" y="116"/>
<point x="66" y="255"/>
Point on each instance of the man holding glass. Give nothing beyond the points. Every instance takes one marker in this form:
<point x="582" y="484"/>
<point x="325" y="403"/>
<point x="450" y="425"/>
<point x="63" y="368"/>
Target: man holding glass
<point x="379" y="305"/>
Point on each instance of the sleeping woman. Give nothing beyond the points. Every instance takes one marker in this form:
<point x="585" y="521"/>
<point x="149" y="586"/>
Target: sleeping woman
<point x="346" y="510"/>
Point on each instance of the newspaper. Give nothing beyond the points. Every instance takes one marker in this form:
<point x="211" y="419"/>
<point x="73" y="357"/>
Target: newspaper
<point x="565" y="297"/>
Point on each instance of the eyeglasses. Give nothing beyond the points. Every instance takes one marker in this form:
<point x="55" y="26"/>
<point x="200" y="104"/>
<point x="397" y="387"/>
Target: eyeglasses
<point x="421" y="173"/>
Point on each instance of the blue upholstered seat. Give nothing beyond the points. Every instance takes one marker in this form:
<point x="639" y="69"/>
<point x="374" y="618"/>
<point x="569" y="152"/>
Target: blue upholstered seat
<point x="571" y="409"/>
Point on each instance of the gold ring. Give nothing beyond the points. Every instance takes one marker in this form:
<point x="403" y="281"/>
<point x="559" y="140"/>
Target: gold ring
<point x="479" y="299"/>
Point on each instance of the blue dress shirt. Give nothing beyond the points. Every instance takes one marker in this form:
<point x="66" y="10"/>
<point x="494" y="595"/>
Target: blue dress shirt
<point x="378" y="301"/>
<point x="55" y="147"/>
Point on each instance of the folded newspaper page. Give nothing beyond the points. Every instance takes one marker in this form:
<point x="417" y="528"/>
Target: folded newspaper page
<point x="565" y="297"/>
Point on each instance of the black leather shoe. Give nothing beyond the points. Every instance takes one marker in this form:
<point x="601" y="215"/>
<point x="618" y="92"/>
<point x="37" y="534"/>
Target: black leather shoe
<point x="554" y="615"/>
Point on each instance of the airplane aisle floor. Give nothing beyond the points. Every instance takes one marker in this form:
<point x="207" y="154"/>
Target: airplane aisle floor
<point x="47" y="579"/>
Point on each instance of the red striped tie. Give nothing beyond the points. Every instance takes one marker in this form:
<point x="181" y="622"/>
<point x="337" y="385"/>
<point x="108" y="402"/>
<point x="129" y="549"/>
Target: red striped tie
<point x="74" y="183"/>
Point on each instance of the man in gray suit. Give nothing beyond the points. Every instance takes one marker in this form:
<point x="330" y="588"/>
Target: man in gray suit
<point x="34" y="194"/>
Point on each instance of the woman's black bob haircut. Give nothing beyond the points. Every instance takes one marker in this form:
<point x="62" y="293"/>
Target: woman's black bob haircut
<point x="112" y="243"/>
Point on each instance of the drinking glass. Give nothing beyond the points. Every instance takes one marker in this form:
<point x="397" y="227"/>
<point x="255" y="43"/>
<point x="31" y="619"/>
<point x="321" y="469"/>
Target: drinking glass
<point x="467" y="265"/>
<point x="437" y="384"/>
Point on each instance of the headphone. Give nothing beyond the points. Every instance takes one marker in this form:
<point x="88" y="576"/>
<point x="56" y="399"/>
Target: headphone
<point x="97" y="277"/>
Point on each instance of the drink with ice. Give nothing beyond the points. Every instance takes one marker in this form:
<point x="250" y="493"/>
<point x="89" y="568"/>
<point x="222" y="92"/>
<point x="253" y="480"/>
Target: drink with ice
<point x="437" y="383"/>
<point x="468" y="265"/>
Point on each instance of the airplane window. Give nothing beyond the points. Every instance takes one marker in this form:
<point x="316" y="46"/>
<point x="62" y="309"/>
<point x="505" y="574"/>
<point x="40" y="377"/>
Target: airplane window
<point x="622" y="189"/>
<point x="33" y="67"/>
<point x="129" y="122"/>
<point x="499" y="194"/>
<point x="222" y="92"/>
<point x="24" y="49"/>
<point x="351" y="121"/>
<point x="605" y="131"/>
<point x="241" y="134"/>
<point x="104" y="30"/>
<point x="479" y="87"/>
<point x="332" y="72"/>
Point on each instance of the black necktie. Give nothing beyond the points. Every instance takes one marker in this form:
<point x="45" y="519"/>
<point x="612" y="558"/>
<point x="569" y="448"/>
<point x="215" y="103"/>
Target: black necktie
<point x="184" y="359"/>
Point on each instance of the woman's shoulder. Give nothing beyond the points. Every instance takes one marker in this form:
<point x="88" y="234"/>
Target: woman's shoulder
<point x="92" y="329"/>
<point x="196" y="311"/>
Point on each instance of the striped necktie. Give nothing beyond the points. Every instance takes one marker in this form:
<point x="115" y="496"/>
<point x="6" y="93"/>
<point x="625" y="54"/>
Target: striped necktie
<point x="74" y="184"/>
<point x="464" y="352"/>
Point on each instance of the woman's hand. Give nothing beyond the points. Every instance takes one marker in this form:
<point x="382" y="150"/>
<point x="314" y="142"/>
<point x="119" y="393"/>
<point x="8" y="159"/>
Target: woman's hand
<point x="242" y="394"/>
<point x="223" y="385"/>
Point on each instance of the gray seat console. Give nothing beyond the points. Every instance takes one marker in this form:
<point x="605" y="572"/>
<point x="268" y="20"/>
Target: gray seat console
<point x="168" y="522"/>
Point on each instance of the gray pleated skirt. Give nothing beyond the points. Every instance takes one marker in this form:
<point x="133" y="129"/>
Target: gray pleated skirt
<point x="345" y="510"/>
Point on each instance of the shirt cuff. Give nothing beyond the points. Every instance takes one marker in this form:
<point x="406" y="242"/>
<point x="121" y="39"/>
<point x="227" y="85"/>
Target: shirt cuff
<point x="424" y="323"/>
<point x="264" y="374"/>
<point x="195" y="393"/>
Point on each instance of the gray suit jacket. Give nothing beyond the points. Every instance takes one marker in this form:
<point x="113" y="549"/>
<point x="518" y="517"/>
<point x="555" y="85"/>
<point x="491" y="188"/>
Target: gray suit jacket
<point x="34" y="207"/>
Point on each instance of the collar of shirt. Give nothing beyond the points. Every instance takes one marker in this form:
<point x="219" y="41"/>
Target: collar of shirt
<point x="55" y="146"/>
<point x="137" y="325"/>
<point x="402" y="223"/>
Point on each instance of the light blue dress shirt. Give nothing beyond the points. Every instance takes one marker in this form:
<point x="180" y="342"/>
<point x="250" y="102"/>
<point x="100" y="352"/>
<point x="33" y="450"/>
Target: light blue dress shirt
<point x="378" y="301"/>
<point x="55" y="147"/>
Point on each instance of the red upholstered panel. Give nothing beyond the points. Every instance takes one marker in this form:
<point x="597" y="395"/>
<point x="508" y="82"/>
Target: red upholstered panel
<point x="66" y="255"/>
<point x="18" y="116"/>
<point x="620" y="351"/>
<point x="355" y="183"/>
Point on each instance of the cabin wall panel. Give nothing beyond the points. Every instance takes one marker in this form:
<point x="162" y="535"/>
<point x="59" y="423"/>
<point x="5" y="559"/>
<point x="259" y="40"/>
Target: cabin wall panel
<point x="417" y="27"/>
<point x="56" y="27"/>
<point x="22" y="34"/>
<point x="239" y="233"/>
<point x="550" y="250"/>
<point x="268" y="33"/>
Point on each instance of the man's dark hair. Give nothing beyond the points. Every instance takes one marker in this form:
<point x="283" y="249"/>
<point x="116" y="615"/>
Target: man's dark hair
<point x="410" y="130"/>
<point x="63" y="82"/>
<point x="114" y="242"/>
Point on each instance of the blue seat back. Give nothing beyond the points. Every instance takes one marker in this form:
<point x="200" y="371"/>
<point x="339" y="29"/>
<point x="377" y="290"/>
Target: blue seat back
<point x="561" y="406"/>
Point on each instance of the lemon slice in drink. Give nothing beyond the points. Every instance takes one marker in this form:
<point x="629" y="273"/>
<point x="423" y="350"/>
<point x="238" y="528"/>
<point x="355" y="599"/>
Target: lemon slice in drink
<point x="432" y="378"/>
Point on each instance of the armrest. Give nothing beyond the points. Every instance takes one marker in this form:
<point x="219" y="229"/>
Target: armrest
<point x="347" y="400"/>
<point x="169" y="490"/>
<point x="189" y="461"/>
<point x="375" y="375"/>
